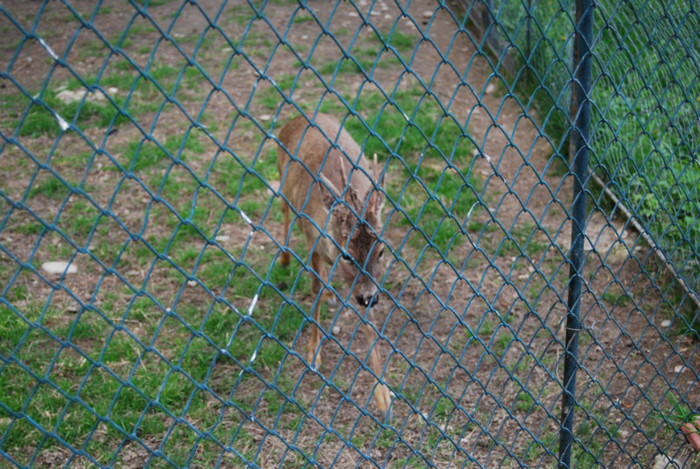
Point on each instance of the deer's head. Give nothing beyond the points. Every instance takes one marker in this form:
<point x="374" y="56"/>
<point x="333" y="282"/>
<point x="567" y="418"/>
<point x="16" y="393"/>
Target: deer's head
<point x="354" y="225"/>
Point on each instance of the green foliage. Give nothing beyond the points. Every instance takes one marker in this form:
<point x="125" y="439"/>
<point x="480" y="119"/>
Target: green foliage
<point x="646" y="136"/>
<point x="644" y="128"/>
<point x="524" y="402"/>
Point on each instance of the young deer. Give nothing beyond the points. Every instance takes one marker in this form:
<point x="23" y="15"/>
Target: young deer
<point x="339" y="211"/>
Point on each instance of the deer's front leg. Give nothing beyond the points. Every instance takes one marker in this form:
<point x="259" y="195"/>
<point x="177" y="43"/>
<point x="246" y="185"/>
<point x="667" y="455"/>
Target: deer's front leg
<point x="314" y="345"/>
<point x="382" y="395"/>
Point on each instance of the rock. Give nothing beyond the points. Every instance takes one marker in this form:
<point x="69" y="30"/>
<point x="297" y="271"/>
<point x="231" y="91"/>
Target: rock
<point x="336" y="330"/>
<point x="490" y="88"/>
<point x="59" y="267"/>
<point x="661" y="461"/>
<point x="222" y="238"/>
<point x="68" y="96"/>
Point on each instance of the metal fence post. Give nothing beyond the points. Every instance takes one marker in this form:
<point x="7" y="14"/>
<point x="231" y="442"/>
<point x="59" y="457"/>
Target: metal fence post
<point x="581" y="121"/>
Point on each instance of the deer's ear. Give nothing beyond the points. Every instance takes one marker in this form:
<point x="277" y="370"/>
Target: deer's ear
<point x="343" y="173"/>
<point x="351" y="196"/>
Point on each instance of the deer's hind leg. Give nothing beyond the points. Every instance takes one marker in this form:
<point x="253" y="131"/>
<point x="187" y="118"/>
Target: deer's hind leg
<point x="282" y="165"/>
<point x="284" y="256"/>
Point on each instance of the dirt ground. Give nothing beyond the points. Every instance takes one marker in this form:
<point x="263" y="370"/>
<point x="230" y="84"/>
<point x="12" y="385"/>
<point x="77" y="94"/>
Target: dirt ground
<point x="473" y="339"/>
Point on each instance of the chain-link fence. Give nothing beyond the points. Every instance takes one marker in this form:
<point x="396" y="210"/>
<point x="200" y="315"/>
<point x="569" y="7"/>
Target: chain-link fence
<point x="534" y="267"/>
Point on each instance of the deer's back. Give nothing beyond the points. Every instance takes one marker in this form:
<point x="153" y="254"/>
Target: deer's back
<point x="306" y="143"/>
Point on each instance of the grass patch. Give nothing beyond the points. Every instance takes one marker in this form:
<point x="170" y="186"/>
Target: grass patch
<point x="345" y="66"/>
<point x="42" y="116"/>
<point x="50" y="187"/>
<point x="145" y="154"/>
<point x="524" y="402"/>
<point x="401" y="42"/>
<point x="133" y="389"/>
<point x="616" y="297"/>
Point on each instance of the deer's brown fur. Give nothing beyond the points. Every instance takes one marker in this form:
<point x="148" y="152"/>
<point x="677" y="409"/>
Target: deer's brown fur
<point x="334" y="191"/>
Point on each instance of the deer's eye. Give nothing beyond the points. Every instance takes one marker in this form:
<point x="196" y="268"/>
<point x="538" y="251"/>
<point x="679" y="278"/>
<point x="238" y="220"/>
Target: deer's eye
<point x="346" y="257"/>
<point x="380" y="254"/>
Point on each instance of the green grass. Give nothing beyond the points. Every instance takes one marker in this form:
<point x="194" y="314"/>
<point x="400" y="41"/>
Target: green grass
<point x="616" y="297"/>
<point x="344" y="66"/>
<point x="501" y="344"/>
<point x="121" y="386"/>
<point x="401" y="42"/>
<point x="42" y="118"/>
<point x="135" y="96"/>
<point x="487" y="327"/>
<point x="524" y="402"/>
<point x="126" y="395"/>
<point x="593" y="431"/>
<point x="371" y="52"/>
<point x="152" y="3"/>
<point x="674" y="415"/>
<point x="145" y="154"/>
<point x="240" y="14"/>
<point x="50" y="187"/>
<point x="303" y="19"/>
<point x="461" y="339"/>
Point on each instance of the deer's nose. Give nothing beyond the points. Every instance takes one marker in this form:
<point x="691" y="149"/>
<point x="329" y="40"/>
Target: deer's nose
<point x="367" y="300"/>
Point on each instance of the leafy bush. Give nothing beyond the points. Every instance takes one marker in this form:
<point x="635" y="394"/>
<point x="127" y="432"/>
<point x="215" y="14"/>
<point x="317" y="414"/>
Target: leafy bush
<point x="645" y="135"/>
<point x="645" y="93"/>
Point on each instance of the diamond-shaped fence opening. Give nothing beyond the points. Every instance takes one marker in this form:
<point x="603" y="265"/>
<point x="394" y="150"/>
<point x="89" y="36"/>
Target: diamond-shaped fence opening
<point x="527" y="229"/>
